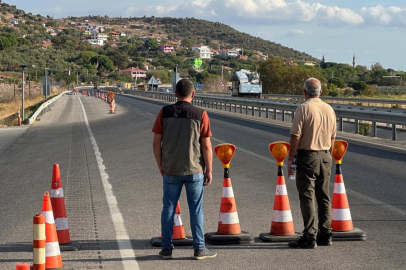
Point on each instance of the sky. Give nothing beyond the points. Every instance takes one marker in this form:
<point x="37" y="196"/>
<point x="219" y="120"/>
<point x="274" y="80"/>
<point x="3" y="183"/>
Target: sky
<point x="373" y="31"/>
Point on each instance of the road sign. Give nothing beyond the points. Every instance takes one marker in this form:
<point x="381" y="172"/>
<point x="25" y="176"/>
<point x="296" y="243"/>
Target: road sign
<point x="199" y="85"/>
<point x="158" y="80"/>
<point x="46" y="85"/>
<point x="221" y="84"/>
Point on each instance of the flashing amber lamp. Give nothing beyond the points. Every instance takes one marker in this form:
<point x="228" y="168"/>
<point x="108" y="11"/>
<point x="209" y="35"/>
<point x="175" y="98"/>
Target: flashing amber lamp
<point x="339" y="149"/>
<point x="279" y="151"/>
<point x="225" y="153"/>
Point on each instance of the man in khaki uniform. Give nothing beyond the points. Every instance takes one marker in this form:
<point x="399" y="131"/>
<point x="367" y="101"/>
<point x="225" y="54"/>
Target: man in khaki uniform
<point x="312" y="138"/>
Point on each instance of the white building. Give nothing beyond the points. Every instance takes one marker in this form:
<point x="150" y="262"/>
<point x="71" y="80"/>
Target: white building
<point x="100" y="36"/>
<point x="203" y="51"/>
<point x="92" y="41"/>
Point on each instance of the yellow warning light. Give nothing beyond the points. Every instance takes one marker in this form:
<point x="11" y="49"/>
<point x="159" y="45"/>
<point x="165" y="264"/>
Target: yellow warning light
<point x="339" y="149"/>
<point x="225" y="153"/>
<point x="279" y="151"/>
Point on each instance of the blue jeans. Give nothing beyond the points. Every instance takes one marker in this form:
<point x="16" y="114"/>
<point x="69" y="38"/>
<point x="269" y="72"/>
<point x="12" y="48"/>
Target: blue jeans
<point x="172" y="186"/>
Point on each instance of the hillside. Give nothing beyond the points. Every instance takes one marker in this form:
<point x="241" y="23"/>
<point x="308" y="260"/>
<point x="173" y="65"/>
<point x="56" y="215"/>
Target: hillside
<point x="213" y="34"/>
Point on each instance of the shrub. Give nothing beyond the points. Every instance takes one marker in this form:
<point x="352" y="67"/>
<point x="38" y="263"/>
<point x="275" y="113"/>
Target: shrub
<point x="348" y="92"/>
<point x="337" y="82"/>
<point x="364" y="129"/>
<point x="360" y="86"/>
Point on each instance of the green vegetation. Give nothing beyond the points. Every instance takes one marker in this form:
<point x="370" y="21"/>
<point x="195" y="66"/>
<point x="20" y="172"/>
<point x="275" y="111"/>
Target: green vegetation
<point x="70" y="59"/>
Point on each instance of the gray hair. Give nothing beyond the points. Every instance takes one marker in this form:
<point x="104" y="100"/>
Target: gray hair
<point x="312" y="87"/>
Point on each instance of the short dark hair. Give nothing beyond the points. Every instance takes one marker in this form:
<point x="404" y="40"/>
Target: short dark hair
<point x="184" y="88"/>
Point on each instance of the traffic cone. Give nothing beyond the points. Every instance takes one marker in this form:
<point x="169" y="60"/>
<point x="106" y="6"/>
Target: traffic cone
<point x="38" y="242"/>
<point x="53" y="255"/>
<point x="23" y="266"/>
<point x="229" y="229"/>
<point x="341" y="221"/>
<point x="178" y="229"/>
<point x="59" y="210"/>
<point x="282" y="228"/>
<point x="179" y="236"/>
<point x="112" y="107"/>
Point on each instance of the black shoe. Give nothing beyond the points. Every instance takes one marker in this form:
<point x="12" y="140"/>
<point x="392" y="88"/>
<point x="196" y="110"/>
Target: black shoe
<point x="325" y="239"/>
<point x="166" y="253"/>
<point x="201" y="254"/>
<point x="303" y="242"/>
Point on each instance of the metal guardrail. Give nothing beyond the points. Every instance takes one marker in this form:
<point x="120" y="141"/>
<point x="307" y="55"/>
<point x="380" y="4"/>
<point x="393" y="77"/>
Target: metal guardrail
<point x="46" y="106"/>
<point x="328" y="99"/>
<point x="394" y="117"/>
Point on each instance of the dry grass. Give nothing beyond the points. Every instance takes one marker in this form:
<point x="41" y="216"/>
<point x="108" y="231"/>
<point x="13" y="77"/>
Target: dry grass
<point x="10" y="101"/>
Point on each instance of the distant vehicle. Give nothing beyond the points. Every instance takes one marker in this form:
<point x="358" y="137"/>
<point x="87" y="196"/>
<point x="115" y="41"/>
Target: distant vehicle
<point x="141" y="87"/>
<point x="246" y="84"/>
<point x="164" y="90"/>
<point x="95" y="85"/>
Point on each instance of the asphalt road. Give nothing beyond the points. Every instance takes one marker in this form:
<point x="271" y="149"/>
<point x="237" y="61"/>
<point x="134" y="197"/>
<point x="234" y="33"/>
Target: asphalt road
<point x="113" y="191"/>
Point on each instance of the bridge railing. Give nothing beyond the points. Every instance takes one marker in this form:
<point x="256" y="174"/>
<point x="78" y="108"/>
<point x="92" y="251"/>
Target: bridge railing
<point x="270" y="108"/>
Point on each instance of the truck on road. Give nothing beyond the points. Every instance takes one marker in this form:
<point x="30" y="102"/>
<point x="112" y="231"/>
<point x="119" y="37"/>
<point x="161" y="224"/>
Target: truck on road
<point x="246" y="84"/>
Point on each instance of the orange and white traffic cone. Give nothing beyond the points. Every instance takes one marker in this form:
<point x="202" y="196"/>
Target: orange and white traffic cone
<point x="341" y="221"/>
<point x="229" y="229"/>
<point x="23" y="266"/>
<point x="59" y="210"/>
<point x="179" y="236"/>
<point x="282" y="228"/>
<point x="178" y="229"/>
<point x="53" y="254"/>
<point x="39" y="242"/>
<point x="112" y="107"/>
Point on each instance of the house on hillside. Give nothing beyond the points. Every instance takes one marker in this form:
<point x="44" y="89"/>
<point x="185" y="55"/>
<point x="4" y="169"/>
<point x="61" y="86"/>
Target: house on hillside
<point x="202" y="50"/>
<point x="135" y="72"/>
<point x="228" y="53"/>
<point x="97" y="35"/>
<point x="93" y="41"/>
<point x="167" y="48"/>
<point x="114" y="34"/>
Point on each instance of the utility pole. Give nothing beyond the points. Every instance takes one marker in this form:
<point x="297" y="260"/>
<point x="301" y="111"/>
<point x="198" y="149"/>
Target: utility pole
<point x="77" y="76"/>
<point x="46" y="84"/>
<point x="22" y="96"/>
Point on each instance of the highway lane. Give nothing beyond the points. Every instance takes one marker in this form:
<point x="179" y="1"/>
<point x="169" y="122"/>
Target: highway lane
<point x="374" y="181"/>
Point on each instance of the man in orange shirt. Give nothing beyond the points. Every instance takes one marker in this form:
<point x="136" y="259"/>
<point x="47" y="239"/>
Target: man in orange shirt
<point x="312" y="138"/>
<point x="183" y="152"/>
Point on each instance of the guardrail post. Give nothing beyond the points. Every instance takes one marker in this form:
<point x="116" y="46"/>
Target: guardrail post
<point x="394" y="132"/>
<point x="253" y="111"/>
<point x="246" y="109"/>
<point x="340" y="124"/>
<point x="283" y="115"/>
<point x="240" y="109"/>
<point x="275" y="114"/>
<point x="293" y="116"/>
<point x="374" y="129"/>
<point x="267" y="113"/>
<point x="356" y="125"/>
<point x="260" y="111"/>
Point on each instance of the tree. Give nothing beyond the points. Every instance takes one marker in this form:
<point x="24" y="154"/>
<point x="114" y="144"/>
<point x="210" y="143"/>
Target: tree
<point x="360" y="86"/>
<point x="151" y="44"/>
<point x="337" y="82"/>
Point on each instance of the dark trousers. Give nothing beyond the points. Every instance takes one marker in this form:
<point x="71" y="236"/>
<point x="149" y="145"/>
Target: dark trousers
<point x="312" y="182"/>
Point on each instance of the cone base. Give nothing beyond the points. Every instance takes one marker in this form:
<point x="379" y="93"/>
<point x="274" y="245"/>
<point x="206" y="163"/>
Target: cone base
<point x="188" y="241"/>
<point x="267" y="237"/>
<point x="71" y="246"/>
<point x="228" y="239"/>
<point x="352" y="235"/>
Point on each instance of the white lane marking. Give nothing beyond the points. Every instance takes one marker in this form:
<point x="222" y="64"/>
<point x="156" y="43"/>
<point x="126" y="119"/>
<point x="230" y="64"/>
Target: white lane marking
<point x="123" y="240"/>
<point x="360" y="196"/>
<point x="149" y="113"/>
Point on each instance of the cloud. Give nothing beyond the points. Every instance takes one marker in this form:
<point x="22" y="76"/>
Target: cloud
<point x="385" y="16"/>
<point x="296" y="33"/>
<point x="276" y="11"/>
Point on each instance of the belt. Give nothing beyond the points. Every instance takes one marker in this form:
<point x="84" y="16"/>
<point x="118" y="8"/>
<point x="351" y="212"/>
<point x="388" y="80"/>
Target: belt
<point x="312" y="151"/>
